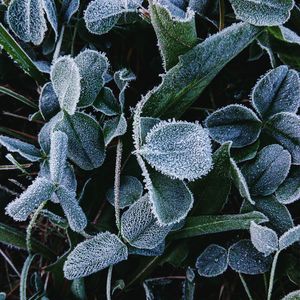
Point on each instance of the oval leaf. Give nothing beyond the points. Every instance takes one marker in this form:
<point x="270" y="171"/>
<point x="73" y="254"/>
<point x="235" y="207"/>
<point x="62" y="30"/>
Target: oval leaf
<point x="48" y="101"/>
<point x="289" y="238"/>
<point x="113" y="128"/>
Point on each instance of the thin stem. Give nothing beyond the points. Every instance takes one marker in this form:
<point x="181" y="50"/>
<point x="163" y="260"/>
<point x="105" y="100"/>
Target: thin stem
<point x="108" y="282"/>
<point x="245" y="287"/>
<point x="117" y="181"/>
<point x="31" y="225"/>
<point x="59" y="43"/>
<point x="10" y="262"/>
<point x="272" y="275"/>
<point x="222" y="15"/>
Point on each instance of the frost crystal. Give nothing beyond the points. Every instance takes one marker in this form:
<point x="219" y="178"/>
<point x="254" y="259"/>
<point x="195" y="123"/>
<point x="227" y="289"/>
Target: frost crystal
<point x="178" y="149"/>
<point x="95" y="254"/>
<point x="289" y="238"/>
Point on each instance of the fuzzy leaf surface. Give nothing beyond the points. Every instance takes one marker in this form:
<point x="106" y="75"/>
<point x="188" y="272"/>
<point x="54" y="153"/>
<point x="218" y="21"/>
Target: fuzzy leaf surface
<point x="113" y="128"/>
<point x="48" y="101"/>
<point x="289" y="238"/>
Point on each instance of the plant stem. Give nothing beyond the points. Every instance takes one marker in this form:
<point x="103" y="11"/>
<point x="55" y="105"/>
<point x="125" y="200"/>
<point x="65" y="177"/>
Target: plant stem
<point x="117" y="182"/>
<point x="31" y="225"/>
<point x="108" y="283"/>
<point x="58" y="45"/>
<point x="222" y="14"/>
<point x="245" y="287"/>
<point x="272" y="275"/>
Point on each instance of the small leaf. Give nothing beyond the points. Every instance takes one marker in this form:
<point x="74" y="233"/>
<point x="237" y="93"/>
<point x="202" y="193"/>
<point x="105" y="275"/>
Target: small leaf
<point x="289" y="238"/>
<point x="212" y="261"/>
<point x="95" y="254"/>
<point x="58" y="156"/>
<point x="69" y="8"/>
<point x="131" y="190"/>
<point x="157" y="251"/>
<point x="92" y="67"/>
<point x="235" y="123"/>
<point x="201" y="225"/>
<point x="48" y="102"/>
<point x="86" y="143"/>
<point x="285" y="129"/>
<point x="264" y="239"/>
<point x="245" y="259"/>
<point x="270" y="168"/>
<point x="71" y="208"/>
<point x="26" y="150"/>
<point x="113" y="128"/>
<point x="65" y="77"/>
<point x="247" y="153"/>
<point x="264" y="12"/>
<point x="24" y="275"/>
<point x="178" y="149"/>
<point x="289" y="191"/>
<point x="51" y="13"/>
<point x="139" y="226"/>
<point x="188" y="287"/>
<point x="26" y="19"/>
<point x="292" y="296"/>
<point x="107" y="103"/>
<point x="78" y="289"/>
<point x="175" y="30"/>
<point x="277" y="91"/>
<point x="2" y="296"/>
<point x="39" y="191"/>
<point x="147" y="124"/>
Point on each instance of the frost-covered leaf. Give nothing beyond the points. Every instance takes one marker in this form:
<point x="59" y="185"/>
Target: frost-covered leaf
<point x="244" y="258"/>
<point x="51" y="13"/>
<point x="289" y="238"/>
<point x="71" y="208"/>
<point x="235" y="123"/>
<point x="175" y="30"/>
<point x="48" y="101"/>
<point x="289" y="191"/>
<point x="171" y="199"/>
<point x="157" y="251"/>
<point x="277" y="91"/>
<point x="65" y="77"/>
<point x="292" y="296"/>
<point x="131" y="190"/>
<point x="86" y="143"/>
<point x="183" y="84"/>
<point x="26" y="19"/>
<point x="188" y="287"/>
<point x="147" y="124"/>
<point x="95" y="254"/>
<point x="240" y="181"/>
<point x="39" y="191"/>
<point x="92" y="67"/>
<point x="196" y="226"/>
<point x="263" y="12"/>
<point x="107" y="103"/>
<point x="26" y="150"/>
<point x="140" y="228"/>
<point x="178" y="149"/>
<point x="246" y="153"/>
<point x="101" y="15"/>
<point x="264" y="239"/>
<point x="69" y="8"/>
<point x="285" y="129"/>
<point x="212" y="261"/>
<point x="269" y="169"/>
<point x="58" y="156"/>
<point x="113" y="128"/>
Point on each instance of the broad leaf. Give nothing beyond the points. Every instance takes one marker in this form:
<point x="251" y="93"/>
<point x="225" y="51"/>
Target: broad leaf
<point x="69" y="8"/>
<point x="244" y="258"/>
<point x="113" y="128"/>
<point x="26" y="150"/>
<point x="65" y="77"/>
<point x="131" y="190"/>
<point x="175" y="30"/>
<point x="178" y="149"/>
<point x="139" y="226"/>
<point x="212" y="261"/>
<point x="289" y="191"/>
<point x="289" y="238"/>
<point x="234" y="123"/>
<point x="285" y="129"/>
<point x="278" y="91"/>
<point x="39" y="191"/>
<point x="264" y="239"/>
<point x="263" y="12"/>
<point x="270" y="168"/>
<point x="48" y="102"/>
<point x="183" y="84"/>
<point x="202" y="225"/>
<point x="86" y="143"/>
<point x="246" y="153"/>
<point x="92" y="67"/>
<point x="107" y="103"/>
<point x="51" y="13"/>
<point x="95" y="254"/>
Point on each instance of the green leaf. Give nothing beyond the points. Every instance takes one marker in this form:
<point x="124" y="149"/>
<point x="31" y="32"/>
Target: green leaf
<point x="15" y="51"/>
<point x="289" y="238"/>
<point x="246" y="153"/>
<point x="203" y="225"/>
<point x="24" y="275"/>
<point x="113" y="128"/>
<point x="86" y="142"/>
<point x="183" y="84"/>
<point x="78" y="289"/>
<point x="107" y="103"/>
<point x="176" y="34"/>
